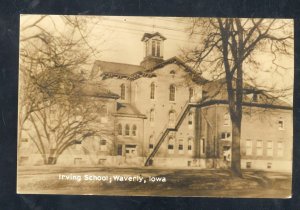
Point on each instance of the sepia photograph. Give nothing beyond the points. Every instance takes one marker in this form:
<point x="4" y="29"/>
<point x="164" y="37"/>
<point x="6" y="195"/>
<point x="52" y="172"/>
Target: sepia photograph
<point x="155" y="106"/>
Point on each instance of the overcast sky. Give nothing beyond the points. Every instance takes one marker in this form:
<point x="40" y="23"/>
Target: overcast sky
<point x="119" y="39"/>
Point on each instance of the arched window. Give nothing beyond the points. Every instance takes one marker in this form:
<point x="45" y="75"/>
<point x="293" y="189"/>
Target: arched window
<point x="120" y="129"/>
<point x="190" y="145"/>
<point x="172" y="92"/>
<point x="127" y="130"/>
<point x="226" y="119"/>
<point x="122" y="92"/>
<point x="171" y="145"/>
<point x="190" y="118"/>
<point x="152" y="115"/>
<point x="151" y="143"/>
<point x="134" y="130"/>
<point x="191" y="93"/>
<point x="152" y="90"/>
<point x="153" y="48"/>
<point x="172" y="118"/>
<point x="103" y="146"/>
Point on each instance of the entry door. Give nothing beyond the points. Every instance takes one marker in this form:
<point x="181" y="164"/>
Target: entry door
<point x="130" y="150"/>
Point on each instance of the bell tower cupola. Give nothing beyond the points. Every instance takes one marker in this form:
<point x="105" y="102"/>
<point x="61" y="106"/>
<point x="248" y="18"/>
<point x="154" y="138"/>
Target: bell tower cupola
<point x="154" y="45"/>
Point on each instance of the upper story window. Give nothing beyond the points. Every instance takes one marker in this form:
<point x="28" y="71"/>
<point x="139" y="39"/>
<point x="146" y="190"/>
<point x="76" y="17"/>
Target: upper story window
<point x="155" y="48"/>
<point x="270" y="148"/>
<point x="172" y="116"/>
<point x="259" y="147"/>
<point x="120" y="129"/>
<point x="280" y="124"/>
<point x="134" y="130"/>
<point x="190" y="145"/>
<point x="226" y="119"/>
<point x="151" y="141"/>
<point x="152" y="90"/>
<point x="172" y="93"/>
<point x="255" y="97"/>
<point x="151" y="115"/>
<point x="248" y="147"/>
<point x="190" y="118"/>
<point x="191" y="93"/>
<point x="122" y="91"/>
<point x="127" y="130"/>
<point x="280" y="149"/>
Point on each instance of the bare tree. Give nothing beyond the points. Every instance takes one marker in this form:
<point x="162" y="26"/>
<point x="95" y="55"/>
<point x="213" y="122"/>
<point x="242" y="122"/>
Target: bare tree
<point x="54" y="50"/>
<point x="230" y="48"/>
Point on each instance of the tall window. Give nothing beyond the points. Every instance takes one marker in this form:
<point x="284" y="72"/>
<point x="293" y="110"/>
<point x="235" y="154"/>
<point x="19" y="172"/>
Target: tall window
<point x="103" y="146"/>
<point x="248" y="147"/>
<point x="270" y="148"/>
<point x="191" y="93"/>
<point x="158" y="49"/>
<point x="134" y="130"/>
<point x="180" y="146"/>
<point x="190" y="119"/>
<point x="202" y="146"/>
<point x="151" y="145"/>
<point x="190" y="145"/>
<point x="120" y="129"/>
<point x="171" y="145"/>
<point x="127" y="130"/>
<point x="119" y="149"/>
<point x="123" y="92"/>
<point x="153" y="48"/>
<point x="226" y="119"/>
<point x="152" y="115"/>
<point x="172" y="118"/>
<point x="280" y="149"/>
<point x="152" y="90"/>
<point x="259" y="147"/>
<point x="172" y="93"/>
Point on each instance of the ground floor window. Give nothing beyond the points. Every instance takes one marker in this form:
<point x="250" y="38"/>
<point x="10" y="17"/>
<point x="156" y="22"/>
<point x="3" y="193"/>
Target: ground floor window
<point x="269" y="165"/>
<point x="119" y="150"/>
<point x="202" y="146"/>
<point x="248" y="165"/>
<point x="180" y="146"/>
<point x="171" y="146"/>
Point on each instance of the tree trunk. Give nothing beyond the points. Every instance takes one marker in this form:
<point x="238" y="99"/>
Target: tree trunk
<point x="52" y="160"/>
<point x="235" y="151"/>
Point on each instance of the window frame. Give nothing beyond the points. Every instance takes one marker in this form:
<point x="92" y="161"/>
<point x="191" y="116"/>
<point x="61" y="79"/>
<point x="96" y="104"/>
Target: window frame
<point x="172" y="93"/>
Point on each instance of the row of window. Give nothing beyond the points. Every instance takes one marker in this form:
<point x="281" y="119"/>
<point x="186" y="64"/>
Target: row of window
<point x="280" y="121"/>
<point x="128" y="130"/>
<point x="260" y="147"/>
<point x="172" y="92"/>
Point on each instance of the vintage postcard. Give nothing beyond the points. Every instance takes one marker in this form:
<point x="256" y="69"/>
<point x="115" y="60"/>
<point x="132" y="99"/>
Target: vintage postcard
<point x="156" y="106"/>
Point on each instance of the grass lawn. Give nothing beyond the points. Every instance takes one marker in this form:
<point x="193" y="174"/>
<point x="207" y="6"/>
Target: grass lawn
<point x="179" y="182"/>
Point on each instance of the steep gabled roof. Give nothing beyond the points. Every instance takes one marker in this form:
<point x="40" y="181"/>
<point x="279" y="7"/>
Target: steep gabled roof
<point x="195" y="75"/>
<point x="121" y="69"/>
<point x="150" y="35"/>
<point x="95" y="90"/>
